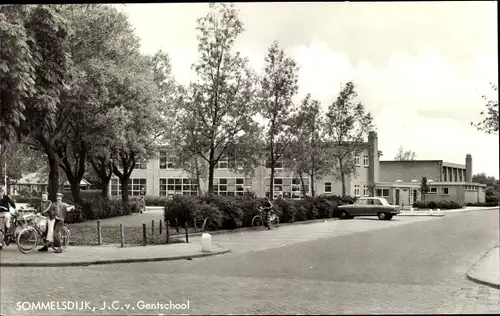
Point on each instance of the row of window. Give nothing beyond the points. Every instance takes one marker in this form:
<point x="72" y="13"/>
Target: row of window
<point x="168" y="162"/>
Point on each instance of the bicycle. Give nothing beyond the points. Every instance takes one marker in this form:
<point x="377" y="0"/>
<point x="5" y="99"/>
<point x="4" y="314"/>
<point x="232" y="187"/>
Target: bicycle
<point x="33" y="234"/>
<point x="10" y="236"/>
<point x="261" y="220"/>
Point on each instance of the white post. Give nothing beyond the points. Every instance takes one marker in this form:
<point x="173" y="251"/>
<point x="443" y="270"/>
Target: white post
<point x="206" y="242"/>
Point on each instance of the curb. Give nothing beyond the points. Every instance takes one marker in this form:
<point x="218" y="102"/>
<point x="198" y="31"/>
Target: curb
<point x="480" y="281"/>
<point x="114" y="261"/>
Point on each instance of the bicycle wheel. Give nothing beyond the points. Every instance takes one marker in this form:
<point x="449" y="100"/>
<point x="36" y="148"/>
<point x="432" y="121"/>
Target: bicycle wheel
<point x="257" y="221"/>
<point x="64" y="237"/>
<point x="27" y="240"/>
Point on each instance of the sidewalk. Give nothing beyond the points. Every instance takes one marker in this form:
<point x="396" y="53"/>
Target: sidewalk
<point x="487" y="270"/>
<point x="444" y="212"/>
<point x="109" y="254"/>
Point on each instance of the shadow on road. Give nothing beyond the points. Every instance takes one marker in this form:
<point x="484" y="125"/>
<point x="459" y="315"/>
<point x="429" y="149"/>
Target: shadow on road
<point x="372" y="219"/>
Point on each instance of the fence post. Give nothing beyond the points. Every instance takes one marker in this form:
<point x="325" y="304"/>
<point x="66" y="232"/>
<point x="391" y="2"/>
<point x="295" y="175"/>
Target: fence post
<point x="122" y="233"/>
<point x="186" y="227"/>
<point x="160" y="228"/>
<point x="99" y="236"/>
<point x="195" y="226"/>
<point x="152" y="227"/>
<point x="168" y="233"/>
<point x="144" y="240"/>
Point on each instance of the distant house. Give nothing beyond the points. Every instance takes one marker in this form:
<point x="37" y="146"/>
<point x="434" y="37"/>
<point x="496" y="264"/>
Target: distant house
<point x="35" y="183"/>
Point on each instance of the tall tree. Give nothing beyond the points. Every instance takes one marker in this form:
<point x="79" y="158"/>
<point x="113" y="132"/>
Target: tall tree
<point x="42" y="34"/>
<point x="309" y="152"/>
<point x="218" y="107"/>
<point x="489" y="124"/>
<point x="278" y="86"/>
<point x="348" y="123"/>
<point x="405" y="155"/>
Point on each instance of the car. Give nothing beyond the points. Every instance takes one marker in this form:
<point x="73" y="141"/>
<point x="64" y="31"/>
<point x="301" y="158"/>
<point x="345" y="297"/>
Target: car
<point x="369" y="206"/>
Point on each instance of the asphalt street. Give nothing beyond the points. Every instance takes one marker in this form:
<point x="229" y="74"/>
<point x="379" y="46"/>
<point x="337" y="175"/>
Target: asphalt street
<point x="408" y="265"/>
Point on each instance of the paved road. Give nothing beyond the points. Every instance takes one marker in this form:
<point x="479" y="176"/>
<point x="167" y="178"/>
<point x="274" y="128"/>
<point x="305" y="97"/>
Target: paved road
<point x="406" y="266"/>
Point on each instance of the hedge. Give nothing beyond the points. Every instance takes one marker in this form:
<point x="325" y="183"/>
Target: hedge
<point x="486" y="204"/>
<point x="226" y="212"/>
<point x="445" y="205"/>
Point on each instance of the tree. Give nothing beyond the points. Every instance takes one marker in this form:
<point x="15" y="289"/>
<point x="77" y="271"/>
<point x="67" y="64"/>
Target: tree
<point x="217" y="109"/>
<point x="309" y="153"/>
<point x="348" y="122"/>
<point x="20" y="160"/>
<point x="424" y="187"/>
<point x="277" y="88"/>
<point x="405" y="155"/>
<point x="31" y="97"/>
<point x="483" y="178"/>
<point x="489" y="124"/>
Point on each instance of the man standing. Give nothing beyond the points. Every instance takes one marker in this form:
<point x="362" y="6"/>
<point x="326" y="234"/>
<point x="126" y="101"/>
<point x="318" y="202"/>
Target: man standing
<point x="58" y="210"/>
<point x="43" y="208"/>
<point x="5" y="203"/>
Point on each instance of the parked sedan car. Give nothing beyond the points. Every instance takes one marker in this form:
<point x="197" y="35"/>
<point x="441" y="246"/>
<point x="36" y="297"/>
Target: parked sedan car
<point x="369" y="206"/>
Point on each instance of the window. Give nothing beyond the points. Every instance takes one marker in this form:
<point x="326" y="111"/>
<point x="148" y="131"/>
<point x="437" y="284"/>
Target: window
<point x="232" y="186"/>
<point x="356" y="190"/>
<point x="225" y="162"/>
<point x="365" y="161"/>
<point x="382" y="192"/>
<point x="376" y="202"/>
<point x="432" y="190"/>
<point x="135" y="187"/>
<point x="444" y="191"/>
<point x="141" y="165"/>
<point x="362" y="202"/>
<point x="166" y="162"/>
<point x="179" y="186"/>
<point x="287" y="187"/>
<point x="279" y="164"/>
<point x="356" y="160"/>
<point x="328" y="187"/>
<point x="365" y="190"/>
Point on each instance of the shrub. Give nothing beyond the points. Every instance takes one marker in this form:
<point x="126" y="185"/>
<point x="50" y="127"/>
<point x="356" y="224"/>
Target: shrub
<point x="211" y="212"/>
<point x="180" y="209"/>
<point x="444" y="205"/>
<point x="285" y="209"/>
<point x="492" y="199"/>
<point x="155" y="200"/>
<point x="484" y="204"/>
<point x="232" y="214"/>
<point x="249" y="204"/>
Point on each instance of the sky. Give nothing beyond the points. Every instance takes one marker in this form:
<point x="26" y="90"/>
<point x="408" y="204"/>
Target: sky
<point x="420" y="68"/>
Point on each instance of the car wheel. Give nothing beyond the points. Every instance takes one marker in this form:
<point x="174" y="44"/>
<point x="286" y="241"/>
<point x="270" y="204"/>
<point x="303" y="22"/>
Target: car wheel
<point x="381" y="216"/>
<point x="344" y="215"/>
<point x="351" y="217"/>
<point x="388" y="216"/>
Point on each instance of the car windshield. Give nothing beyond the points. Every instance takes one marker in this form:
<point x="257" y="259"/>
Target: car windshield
<point x="384" y="201"/>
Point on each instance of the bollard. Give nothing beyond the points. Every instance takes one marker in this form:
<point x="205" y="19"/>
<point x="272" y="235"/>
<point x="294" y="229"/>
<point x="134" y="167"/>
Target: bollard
<point x="152" y="227"/>
<point x="122" y="233"/>
<point x="206" y="242"/>
<point x="167" y="232"/>
<point x="99" y="236"/>
<point x="144" y="240"/>
<point x="186" y="227"/>
<point x="160" y="228"/>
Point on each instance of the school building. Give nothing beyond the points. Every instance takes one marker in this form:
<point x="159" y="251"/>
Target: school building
<point x="398" y="182"/>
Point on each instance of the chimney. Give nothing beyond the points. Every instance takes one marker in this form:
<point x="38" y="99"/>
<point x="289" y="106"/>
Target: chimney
<point x="468" y="168"/>
<point x="373" y="168"/>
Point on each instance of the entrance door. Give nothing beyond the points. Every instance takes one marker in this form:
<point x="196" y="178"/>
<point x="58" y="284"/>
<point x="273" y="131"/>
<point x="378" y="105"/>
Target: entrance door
<point x="397" y="197"/>
<point x="415" y="192"/>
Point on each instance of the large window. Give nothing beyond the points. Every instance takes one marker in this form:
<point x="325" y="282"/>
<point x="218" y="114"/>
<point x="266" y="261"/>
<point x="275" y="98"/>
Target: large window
<point x="383" y="192"/>
<point x="143" y="164"/>
<point x="356" y="190"/>
<point x="166" y="161"/>
<point x="287" y="187"/>
<point x="444" y="191"/>
<point x="433" y="190"/>
<point x="135" y="186"/>
<point x="356" y="160"/>
<point x="365" y="161"/>
<point x="328" y="187"/>
<point x="232" y="186"/>
<point x="179" y="186"/>
<point x="365" y="190"/>
<point x="279" y="164"/>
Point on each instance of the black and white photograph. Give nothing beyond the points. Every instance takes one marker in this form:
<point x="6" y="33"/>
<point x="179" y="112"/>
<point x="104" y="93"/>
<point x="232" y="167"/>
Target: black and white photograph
<point x="249" y="158"/>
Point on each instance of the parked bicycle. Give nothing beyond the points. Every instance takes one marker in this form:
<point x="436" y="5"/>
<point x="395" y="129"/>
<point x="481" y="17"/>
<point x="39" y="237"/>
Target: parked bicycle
<point x="15" y="223"/>
<point x="31" y="236"/>
<point x="263" y="218"/>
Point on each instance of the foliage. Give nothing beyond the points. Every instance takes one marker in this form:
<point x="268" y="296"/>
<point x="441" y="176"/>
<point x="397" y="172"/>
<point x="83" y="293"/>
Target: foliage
<point x="211" y="212"/>
<point x="232" y="213"/>
<point x="277" y="88"/>
<point x="445" y="205"/>
<point x="405" y="155"/>
<point x="215" y="113"/>
<point x="181" y="209"/>
<point x="483" y="178"/>
<point x="348" y="122"/>
<point x="485" y="204"/>
<point x="489" y="124"/>
<point x="19" y="157"/>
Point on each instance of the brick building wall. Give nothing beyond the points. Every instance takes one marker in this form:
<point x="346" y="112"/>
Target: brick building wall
<point x="391" y="171"/>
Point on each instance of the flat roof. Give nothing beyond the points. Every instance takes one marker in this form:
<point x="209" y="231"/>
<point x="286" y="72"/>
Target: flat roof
<point x="453" y="165"/>
<point x="409" y="161"/>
